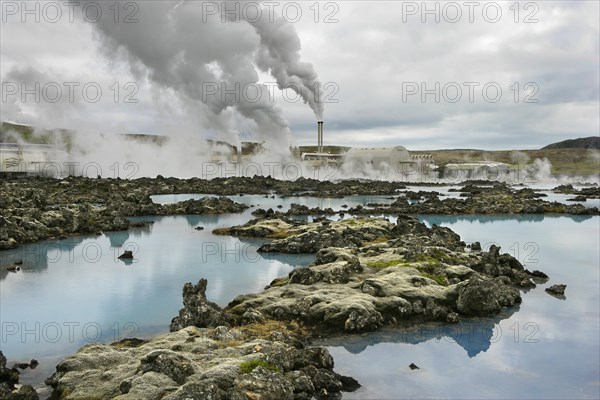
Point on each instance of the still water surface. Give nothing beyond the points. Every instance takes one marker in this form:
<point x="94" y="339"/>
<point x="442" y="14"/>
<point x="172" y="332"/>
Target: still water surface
<point x="75" y="291"/>
<point x="545" y="349"/>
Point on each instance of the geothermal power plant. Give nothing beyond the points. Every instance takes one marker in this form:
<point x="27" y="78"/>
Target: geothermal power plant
<point x="38" y="159"/>
<point x="392" y="157"/>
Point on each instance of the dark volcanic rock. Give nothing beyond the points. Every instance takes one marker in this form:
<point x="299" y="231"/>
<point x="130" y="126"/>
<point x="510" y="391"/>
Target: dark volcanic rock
<point x="9" y="378"/>
<point x="44" y="208"/>
<point x="25" y="392"/>
<point x="556" y="290"/>
<point x="127" y="255"/>
<point x="33" y="209"/>
<point x="483" y="296"/>
<point x="311" y="242"/>
<point x="498" y="199"/>
<point x="197" y="310"/>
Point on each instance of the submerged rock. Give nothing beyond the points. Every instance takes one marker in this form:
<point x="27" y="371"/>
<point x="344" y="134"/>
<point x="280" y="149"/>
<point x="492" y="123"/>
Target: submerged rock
<point x="557" y="291"/>
<point x="127" y="255"/>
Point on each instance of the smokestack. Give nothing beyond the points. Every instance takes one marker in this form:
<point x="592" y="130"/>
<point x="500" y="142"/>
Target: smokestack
<point x="320" y="137"/>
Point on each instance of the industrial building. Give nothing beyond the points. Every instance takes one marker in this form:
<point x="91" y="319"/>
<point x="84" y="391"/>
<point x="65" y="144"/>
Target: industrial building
<point x="392" y="158"/>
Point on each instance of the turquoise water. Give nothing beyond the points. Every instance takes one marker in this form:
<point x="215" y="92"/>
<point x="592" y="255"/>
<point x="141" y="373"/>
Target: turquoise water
<point x="75" y="291"/>
<point x="546" y="348"/>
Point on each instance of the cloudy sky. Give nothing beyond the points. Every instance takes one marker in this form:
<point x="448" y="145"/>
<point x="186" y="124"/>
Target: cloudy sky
<point x="493" y="75"/>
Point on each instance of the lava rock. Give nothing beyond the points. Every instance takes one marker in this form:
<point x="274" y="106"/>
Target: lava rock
<point x="10" y="377"/>
<point x="169" y="363"/>
<point x="197" y="310"/>
<point x="127" y="255"/>
<point x="483" y="296"/>
<point x="556" y="290"/>
<point x="25" y="392"/>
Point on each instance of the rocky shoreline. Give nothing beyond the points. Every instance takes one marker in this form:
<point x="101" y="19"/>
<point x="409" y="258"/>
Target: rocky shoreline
<point x="43" y="208"/>
<point x="369" y="274"/>
<point x="260" y="361"/>
<point x="9" y="379"/>
<point x="33" y="209"/>
<point x="473" y="199"/>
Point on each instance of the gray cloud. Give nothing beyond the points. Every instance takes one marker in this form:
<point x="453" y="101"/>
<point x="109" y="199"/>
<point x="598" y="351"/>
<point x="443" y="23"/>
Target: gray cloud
<point x="369" y="53"/>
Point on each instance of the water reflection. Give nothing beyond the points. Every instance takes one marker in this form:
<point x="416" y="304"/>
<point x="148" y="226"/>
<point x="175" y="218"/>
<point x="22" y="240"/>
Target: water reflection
<point x="118" y="239"/>
<point x="473" y="335"/>
<point x="195" y="220"/>
<point x="37" y="256"/>
<point x="81" y="283"/>
<point x="80" y="280"/>
<point x="548" y="349"/>
<point x="488" y="219"/>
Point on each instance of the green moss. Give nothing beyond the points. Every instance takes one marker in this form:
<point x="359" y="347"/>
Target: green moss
<point x="442" y="256"/>
<point x="440" y="279"/>
<point x="279" y="282"/>
<point x="249" y="366"/>
<point x="381" y="264"/>
<point x="430" y="262"/>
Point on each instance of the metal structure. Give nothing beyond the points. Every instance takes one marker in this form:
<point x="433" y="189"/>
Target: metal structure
<point x="29" y="159"/>
<point x="320" y="137"/>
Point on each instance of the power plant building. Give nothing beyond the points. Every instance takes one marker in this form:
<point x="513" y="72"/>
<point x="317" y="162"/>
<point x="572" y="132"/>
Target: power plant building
<point x="378" y="157"/>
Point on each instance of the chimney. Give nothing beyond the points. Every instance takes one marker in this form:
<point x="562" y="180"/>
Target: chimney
<point x="320" y="137"/>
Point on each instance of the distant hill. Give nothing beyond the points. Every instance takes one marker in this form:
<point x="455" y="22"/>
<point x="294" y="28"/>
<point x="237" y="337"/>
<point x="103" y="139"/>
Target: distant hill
<point x="592" y="142"/>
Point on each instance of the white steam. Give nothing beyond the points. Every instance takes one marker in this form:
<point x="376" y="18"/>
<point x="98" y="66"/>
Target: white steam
<point x="209" y="62"/>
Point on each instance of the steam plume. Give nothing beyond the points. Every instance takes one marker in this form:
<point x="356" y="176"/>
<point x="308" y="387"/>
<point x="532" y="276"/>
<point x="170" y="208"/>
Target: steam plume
<point x="279" y="53"/>
<point x="177" y="47"/>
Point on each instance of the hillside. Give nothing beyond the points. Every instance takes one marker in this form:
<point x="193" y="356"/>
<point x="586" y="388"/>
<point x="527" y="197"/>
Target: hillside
<point x="592" y="142"/>
<point x="564" y="161"/>
<point x="9" y="133"/>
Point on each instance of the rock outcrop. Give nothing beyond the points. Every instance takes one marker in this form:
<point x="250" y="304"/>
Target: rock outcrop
<point x="37" y="209"/>
<point x="370" y="273"/>
<point x="557" y="291"/>
<point x="9" y="378"/>
<point x="475" y="199"/>
<point x="194" y="363"/>
<point x="197" y="310"/>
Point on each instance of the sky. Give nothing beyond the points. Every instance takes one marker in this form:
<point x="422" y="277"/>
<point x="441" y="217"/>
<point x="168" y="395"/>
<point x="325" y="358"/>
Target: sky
<point x="424" y="75"/>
